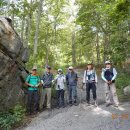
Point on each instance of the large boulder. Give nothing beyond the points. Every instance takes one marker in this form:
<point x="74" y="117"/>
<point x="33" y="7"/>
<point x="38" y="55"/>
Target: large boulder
<point x="127" y="91"/>
<point x="13" y="56"/>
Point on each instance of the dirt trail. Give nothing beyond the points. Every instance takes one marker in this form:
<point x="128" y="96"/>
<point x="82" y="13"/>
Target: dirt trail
<point x="83" y="117"/>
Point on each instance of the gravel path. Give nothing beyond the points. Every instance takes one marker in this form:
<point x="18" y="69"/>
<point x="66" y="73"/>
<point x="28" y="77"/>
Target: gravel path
<point x="83" y="117"/>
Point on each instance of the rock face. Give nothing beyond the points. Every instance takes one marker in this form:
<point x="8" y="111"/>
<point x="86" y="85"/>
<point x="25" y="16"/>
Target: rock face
<point x="127" y="91"/>
<point x="12" y="65"/>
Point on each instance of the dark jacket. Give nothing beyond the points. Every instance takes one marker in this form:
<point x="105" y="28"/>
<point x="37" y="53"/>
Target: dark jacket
<point x="71" y="79"/>
<point x="47" y="80"/>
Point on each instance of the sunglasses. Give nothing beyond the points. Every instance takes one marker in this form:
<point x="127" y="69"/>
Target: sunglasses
<point x="34" y="70"/>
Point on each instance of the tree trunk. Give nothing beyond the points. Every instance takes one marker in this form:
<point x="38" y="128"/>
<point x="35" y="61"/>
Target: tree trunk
<point x="37" y="29"/>
<point x="47" y="53"/>
<point x="22" y="28"/>
<point x="73" y="49"/>
<point x="97" y="48"/>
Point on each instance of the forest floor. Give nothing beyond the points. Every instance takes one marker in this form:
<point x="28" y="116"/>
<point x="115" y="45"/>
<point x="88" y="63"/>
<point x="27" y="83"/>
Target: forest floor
<point x="83" y="117"/>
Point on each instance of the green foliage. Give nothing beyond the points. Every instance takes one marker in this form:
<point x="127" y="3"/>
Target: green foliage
<point x="122" y="80"/>
<point x="12" y="117"/>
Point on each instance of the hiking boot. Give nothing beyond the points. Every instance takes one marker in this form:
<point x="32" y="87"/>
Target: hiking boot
<point x="75" y="101"/>
<point x="116" y="105"/>
<point x="108" y="104"/>
<point x="58" y="107"/>
<point x="88" y="103"/>
<point x="70" y="103"/>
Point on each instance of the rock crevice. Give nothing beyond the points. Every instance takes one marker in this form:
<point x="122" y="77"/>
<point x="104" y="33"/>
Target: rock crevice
<point x="12" y="65"/>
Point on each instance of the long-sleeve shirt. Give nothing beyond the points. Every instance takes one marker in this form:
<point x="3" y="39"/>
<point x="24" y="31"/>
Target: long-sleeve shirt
<point x="113" y="71"/>
<point x="47" y="79"/>
<point x="90" y="76"/>
<point x="71" y="79"/>
<point x="60" y="81"/>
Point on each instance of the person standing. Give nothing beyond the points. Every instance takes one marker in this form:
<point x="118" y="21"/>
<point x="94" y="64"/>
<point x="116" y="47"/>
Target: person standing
<point x="71" y="80"/>
<point x="90" y="79"/>
<point x="109" y="75"/>
<point x="33" y="82"/>
<point x="60" y="88"/>
<point x="46" y="80"/>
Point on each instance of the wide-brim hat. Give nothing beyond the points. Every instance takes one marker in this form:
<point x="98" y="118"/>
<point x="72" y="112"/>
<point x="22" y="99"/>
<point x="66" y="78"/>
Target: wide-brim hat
<point x="89" y="63"/>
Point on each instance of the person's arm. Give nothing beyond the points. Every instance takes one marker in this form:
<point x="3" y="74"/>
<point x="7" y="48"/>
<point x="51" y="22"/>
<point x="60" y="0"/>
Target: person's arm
<point x="39" y="82"/>
<point x="76" y="77"/>
<point x="64" y="79"/>
<point x="42" y="79"/>
<point x="27" y="82"/>
<point x="96" y="79"/>
<point x="114" y="73"/>
<point x="84" y="77"/>
<point x="102" y="75"/>
<point x="67" y="82"/>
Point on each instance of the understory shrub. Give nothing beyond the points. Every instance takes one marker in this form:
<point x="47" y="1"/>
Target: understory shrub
<point x="12" y="117"/>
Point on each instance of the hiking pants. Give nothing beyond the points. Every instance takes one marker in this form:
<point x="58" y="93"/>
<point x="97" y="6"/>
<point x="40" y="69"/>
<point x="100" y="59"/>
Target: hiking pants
<point x="60" y="97"/>
<point x="90" y="86"/>
<point x="110" y="92"/>
<point x="32" y="100"/>
<point x="43" y="93"/>
<point x="72" y="93"/>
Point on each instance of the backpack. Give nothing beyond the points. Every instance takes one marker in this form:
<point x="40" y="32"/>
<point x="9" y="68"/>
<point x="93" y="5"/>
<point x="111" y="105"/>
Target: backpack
<point x="31" y="76"/>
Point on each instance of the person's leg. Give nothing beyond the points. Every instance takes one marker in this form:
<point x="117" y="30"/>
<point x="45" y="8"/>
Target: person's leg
<point x="48" y="97"/>
<point x="74" y="91"/>
<point x="94" y="93"/>
<point x="36" y="97"/>
<point x="107" y="94"/>
<point x="29" y="102"/>
<point x="93" y="86"/>
<point x="42" y="97"/>
<point x="70" y="94"/>
<point x="62" y="98"/>
<point x="88" y="92"/>
<point x="58" y="97"/>
<point x="114" y="94"/>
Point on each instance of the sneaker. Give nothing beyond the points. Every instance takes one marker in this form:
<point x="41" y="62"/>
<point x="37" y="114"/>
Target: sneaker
<point x="116" y="105"/>
<point x="88" y="103"/>
<point x="95" y="103"/>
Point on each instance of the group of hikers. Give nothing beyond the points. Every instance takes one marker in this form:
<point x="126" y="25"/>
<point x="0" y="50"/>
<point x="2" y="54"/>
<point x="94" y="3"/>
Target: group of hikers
<point x="44" y="83"/>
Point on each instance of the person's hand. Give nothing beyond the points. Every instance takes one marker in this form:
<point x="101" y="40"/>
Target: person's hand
<point x="110" y="82"/>
<point x="107" y="81"/>
<point x="82" y="87"/>
<point x="30" y="85"/>
<point x="96" y="83"/>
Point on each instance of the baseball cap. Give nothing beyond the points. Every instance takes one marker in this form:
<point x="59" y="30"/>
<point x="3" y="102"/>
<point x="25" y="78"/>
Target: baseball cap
<point x="34" y="68"/>
<point x="59" y="70"/>
<point x="48" y="67"/>
<point x="107" y="62"/>
<point x="71" y="68"/>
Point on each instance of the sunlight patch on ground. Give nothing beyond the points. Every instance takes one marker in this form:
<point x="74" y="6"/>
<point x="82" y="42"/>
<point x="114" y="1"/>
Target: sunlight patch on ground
<point x="99" y="110"/>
